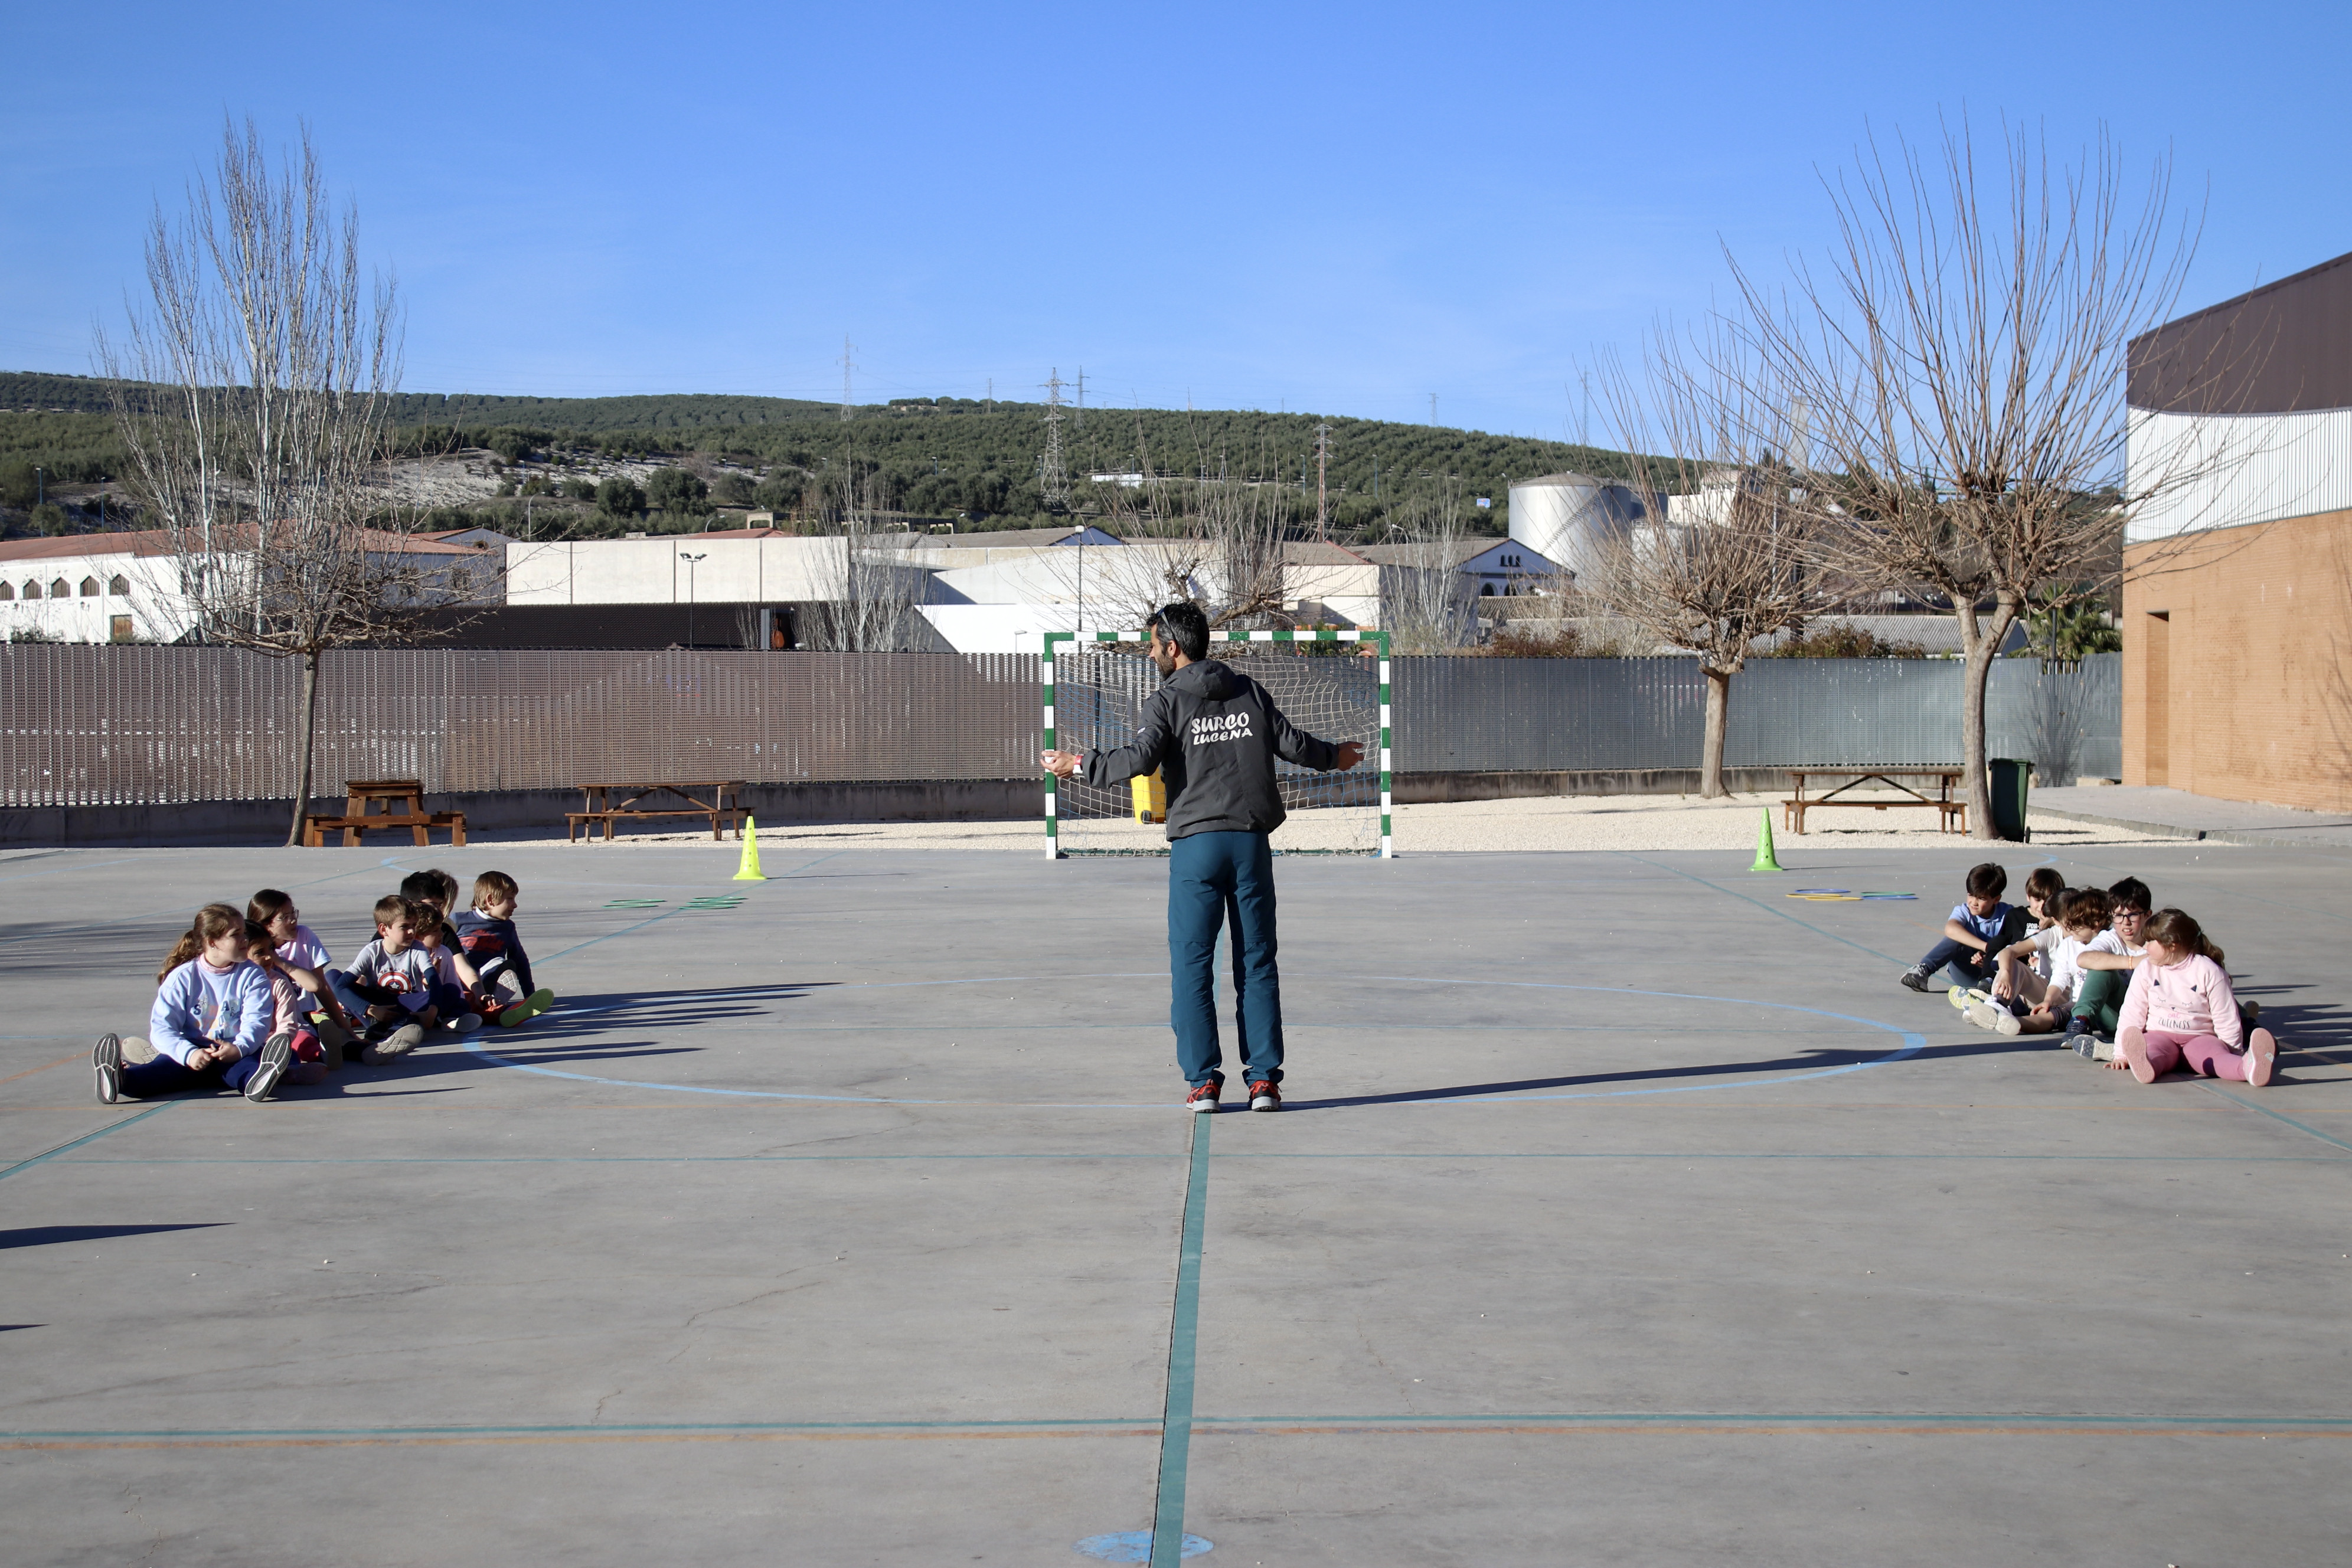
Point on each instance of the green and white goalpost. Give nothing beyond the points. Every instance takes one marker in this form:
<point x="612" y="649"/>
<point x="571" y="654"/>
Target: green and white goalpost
<point x="1334" y="685"/>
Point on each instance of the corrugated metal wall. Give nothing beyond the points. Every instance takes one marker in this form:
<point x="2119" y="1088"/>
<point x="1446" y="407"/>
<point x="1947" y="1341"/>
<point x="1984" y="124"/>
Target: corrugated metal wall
<point x="1604" y="714"/>
<point x="84" y="725"/>
<point x="101" y="725"/>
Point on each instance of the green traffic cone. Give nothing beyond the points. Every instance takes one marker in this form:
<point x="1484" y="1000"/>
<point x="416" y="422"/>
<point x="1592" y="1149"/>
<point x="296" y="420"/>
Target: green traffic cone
<point x="1765" y="861"/>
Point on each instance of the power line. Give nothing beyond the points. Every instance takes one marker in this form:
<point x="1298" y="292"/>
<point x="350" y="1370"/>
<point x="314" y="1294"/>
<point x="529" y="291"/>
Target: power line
<point x="1053" y="479"/>
<point x="1322" y="477"/>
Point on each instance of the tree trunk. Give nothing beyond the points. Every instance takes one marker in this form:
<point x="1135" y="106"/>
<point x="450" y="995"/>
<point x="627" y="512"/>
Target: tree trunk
<point x="1980" y="641"/>
<point x="1718" y="716"/>
<point x="306" y="730"/>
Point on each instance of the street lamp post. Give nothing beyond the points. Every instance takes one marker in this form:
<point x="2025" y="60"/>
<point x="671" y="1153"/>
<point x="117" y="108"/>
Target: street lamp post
<point x="691" y="561"/>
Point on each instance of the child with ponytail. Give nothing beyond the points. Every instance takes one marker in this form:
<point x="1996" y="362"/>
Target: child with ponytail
<point x="2181" y="1010"/>
<point x="210" y="1024"/>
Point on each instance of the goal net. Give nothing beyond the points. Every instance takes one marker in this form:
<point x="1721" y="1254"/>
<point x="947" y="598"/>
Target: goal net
<point x="1333" y="685"/>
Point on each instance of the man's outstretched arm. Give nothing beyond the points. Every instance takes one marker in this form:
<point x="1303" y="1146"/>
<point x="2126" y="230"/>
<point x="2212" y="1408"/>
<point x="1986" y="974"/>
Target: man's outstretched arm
<point x="1149" y="748"/>
<point x="1293" y="744"/>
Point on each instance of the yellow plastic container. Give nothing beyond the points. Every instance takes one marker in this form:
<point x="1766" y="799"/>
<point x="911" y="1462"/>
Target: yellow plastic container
<point x="1151" y="795"/>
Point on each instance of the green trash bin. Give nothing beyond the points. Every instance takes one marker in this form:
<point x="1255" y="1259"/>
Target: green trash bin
<point x="2007" y="784"/>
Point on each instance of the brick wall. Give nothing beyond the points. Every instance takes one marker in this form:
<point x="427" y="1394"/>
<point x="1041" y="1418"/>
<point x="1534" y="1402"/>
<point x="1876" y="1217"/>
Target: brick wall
<point x="2237" y="669"/>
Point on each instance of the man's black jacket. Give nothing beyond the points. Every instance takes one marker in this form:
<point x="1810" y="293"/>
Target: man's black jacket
<point x="1213" y="733"/>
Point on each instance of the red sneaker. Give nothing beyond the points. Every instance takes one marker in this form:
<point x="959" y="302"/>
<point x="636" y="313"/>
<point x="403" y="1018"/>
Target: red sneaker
<point x="1265" y="1096"/>
<point x="1203" y="1098"/>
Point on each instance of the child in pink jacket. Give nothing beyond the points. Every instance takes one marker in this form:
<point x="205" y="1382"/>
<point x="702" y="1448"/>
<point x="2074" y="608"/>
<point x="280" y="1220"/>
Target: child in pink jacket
<point x="2180" y="1011"/>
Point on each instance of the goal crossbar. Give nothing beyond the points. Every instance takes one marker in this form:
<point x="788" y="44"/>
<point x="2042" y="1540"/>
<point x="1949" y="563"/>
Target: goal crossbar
<point x="1078" y="640"/>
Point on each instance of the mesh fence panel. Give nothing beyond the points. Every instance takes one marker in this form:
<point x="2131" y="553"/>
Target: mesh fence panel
<point x="1331" y="691"/>
<point x="106" y="725"/>
<point x="83" y="725"/>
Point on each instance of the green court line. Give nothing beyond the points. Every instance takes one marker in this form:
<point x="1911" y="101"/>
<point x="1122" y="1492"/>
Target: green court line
<point x="2267" y="1110"/>
<point x="1245" y="1154"/>
<point x="650" y="1428"/>
<point x="1183" y="1331"/>
<point x="85" y="1138"/>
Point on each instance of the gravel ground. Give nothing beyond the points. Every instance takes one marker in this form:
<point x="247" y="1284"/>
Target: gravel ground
<point x="1559" y="822"/>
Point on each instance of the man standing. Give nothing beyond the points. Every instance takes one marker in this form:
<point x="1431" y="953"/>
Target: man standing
<point x="1213" y="733"/>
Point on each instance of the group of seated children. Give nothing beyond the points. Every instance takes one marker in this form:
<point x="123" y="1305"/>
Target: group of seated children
<point x="2144" y="993"/>
<point x="252" y="1002"/>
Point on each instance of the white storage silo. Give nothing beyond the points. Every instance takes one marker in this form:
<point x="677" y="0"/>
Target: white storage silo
<point x="1568" y="518"/>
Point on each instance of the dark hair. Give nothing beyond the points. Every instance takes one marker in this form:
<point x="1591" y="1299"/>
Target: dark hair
<point x="257" y="937"/>
<point x="1987" y="881"/>
<point x="2085" y="907"/>
<point x="2131" y="893"/>
<point x="2177" y="931"/>
<point x="211" y="922"/>
<point x="421" y="887"/>
<point x="1185" y="625"/>
<point x="492" y="885"/>
<point x="2045" y="884"/>
<point x="265" y="905"/>
<point x="395" y="907"/>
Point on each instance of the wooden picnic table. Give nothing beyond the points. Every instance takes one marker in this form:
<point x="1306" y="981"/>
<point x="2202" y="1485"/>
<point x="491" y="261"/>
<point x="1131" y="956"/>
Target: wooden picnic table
<point x="403" y="801"/>
<point x="723" y="808"/>
<point x="1950" y="814"/>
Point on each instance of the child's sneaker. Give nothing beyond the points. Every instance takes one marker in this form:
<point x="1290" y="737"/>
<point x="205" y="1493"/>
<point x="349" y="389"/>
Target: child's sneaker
<point x="2131" y="1045"/>
<point x="105" y="1060"/>
<point x="1994" y="1017"/>
<point x="529" y="1008"/>
<point x="393" y="1045"/>
<point x="1915" y="977"/>
<point x="2262" y="1057"/>
<point x="464" y="1023"/>
<point x="277" y="1053"/>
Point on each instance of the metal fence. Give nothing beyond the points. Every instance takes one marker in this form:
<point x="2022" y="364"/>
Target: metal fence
<point x="83" y="725"/>
<point x="107" y="725"/>
<point x="1609" y="714"/>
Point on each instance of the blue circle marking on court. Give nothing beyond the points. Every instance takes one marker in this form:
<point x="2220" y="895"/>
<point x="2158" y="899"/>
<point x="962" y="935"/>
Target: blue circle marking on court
<point x="1913" y="1043"/>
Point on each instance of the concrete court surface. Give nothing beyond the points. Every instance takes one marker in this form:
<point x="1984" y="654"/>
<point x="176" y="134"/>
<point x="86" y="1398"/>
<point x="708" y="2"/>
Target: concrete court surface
<point x="1625" y="1212"/>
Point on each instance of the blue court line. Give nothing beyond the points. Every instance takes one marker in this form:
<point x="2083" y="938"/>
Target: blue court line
<point x="1767" y="908"/>
<point x="2324" y="1425"/>
<point x="2267" y="1110"/>
<point x="1183" y="1334"/>
<point x="662" y="1429"/>
<point x="1913" y="1043"/>
<point x="85" y="1138"/>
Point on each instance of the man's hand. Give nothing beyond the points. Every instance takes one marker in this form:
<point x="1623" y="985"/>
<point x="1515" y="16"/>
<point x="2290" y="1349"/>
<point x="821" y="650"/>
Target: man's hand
<point x="1350" y="754"/>
<point x="1062" y="764"/>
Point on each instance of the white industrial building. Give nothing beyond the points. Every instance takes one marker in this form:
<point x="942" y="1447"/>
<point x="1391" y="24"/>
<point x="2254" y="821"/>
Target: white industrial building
<point x="1570" y="519"/>
<point x="126" y="587"/>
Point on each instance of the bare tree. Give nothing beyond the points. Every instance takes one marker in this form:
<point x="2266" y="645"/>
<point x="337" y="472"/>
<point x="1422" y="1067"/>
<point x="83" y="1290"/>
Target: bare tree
<point x="1963" y="359"/>
<point x="871" y="590"/>
<point x="1722" y="560"/>
<point x="1223" y="550"/>
<point x="1424" y="607"/>
<point x="251" y="393"/>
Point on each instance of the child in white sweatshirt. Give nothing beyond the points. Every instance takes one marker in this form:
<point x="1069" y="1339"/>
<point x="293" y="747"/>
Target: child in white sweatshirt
<point x="2180" y="1011"/>
<point x="210" y="1024"/>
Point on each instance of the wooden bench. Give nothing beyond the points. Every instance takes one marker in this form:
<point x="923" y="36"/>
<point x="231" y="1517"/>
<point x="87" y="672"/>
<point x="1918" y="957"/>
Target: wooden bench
<point x="316" y="828"/>
<point x="1951" y="815"/>
<point x="721" y="809"/>
<point x="403" y="807"/>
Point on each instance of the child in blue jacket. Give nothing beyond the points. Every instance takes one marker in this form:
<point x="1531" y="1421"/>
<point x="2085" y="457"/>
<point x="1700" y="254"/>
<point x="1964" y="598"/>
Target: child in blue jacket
<point x="210" y="1024"/>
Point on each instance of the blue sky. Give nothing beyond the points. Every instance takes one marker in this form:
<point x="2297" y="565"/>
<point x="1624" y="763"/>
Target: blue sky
<point x="1337" y="208"/>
